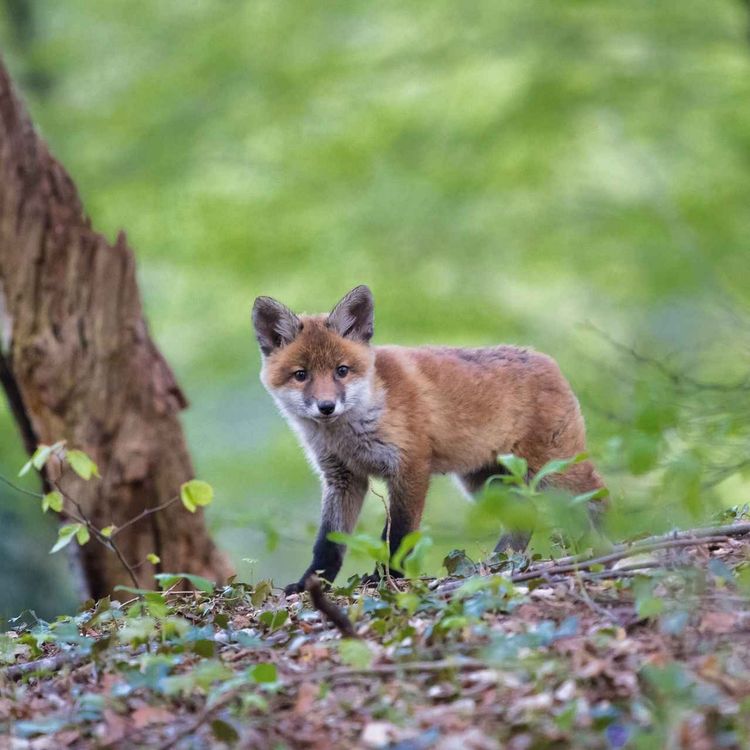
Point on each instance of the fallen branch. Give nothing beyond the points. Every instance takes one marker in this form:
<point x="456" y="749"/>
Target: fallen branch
<point x="327" y="608"/>
<point x="47" y="664"/>
<point x="556" y="570"/>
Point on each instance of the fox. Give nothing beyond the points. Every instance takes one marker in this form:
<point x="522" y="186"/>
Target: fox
<point x="404" y="414"/>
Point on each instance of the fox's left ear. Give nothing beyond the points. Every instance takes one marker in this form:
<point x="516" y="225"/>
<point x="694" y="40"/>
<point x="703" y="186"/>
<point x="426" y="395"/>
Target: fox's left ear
<point x="353" y="317"/>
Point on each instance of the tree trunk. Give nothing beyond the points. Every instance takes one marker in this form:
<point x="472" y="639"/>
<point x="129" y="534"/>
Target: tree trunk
<point x="77" y="363"/>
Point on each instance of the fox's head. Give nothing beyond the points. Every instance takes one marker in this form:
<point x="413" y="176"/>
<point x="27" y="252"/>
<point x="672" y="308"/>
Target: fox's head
<point x="318" y="367"/>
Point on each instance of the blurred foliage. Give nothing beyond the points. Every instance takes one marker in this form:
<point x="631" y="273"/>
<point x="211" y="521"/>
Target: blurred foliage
<point x="496" y="171"/>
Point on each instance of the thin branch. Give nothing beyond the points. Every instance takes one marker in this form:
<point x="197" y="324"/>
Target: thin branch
<point x="328" y="609"/>
<point x="145" y="514"/>
<point x="678" y="379"/>
<point x="101" y="538"/>
<point x="388" y="576"/>
<point x="23" y="490"/>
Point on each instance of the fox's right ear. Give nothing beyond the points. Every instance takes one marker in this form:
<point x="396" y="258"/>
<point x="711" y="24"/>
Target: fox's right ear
<point x="275" y="325"/>
<point x="353" y="316"/>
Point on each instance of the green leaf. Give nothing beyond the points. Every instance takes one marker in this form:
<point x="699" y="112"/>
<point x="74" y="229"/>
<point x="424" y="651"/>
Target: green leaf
<point x="273" y="619"/>
<point x="458" y="563"/>
<point x="355" y="653"/>
<point x="590" y="495"/>
<point x="82" y="535"/>
<point x="415" y="562"/>
<point x="167" y="580"/>
<point x="224" y="731"/>
<point x="263" y="673"/>
<point x="516" y="465"/>
<point x="107" y="531"/>
<point x="407" y="545"/>
<point x="196" y="493"/>
<point x="153" y="559"/>
<point x="556" y="466"/>
<point x="82" y="464"/>
<point x="38" y="459"/>
<point x="65" y="536"/>
<point x="52" y="501"/>
<point x="363" y="544"/>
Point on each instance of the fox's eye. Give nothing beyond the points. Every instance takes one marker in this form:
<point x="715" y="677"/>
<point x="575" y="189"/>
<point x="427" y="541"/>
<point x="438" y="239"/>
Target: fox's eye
<point x="342" y="371"/>
<point x="300" y="375"/>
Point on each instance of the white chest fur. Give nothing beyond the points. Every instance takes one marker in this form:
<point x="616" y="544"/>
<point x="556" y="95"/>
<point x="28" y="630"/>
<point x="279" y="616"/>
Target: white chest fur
<point x="355" y="440"/>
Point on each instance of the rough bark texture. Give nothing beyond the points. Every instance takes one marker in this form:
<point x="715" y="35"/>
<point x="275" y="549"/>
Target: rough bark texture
<point x="77" y="363"/>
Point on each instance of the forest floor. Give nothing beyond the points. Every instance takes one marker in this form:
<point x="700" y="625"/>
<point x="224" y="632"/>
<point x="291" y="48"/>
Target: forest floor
<point x="651" y="653"/>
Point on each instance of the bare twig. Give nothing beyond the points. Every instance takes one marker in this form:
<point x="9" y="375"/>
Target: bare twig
<point x="145" y="514"/>
<point x="327" y="608"/>
<point x="388" y="576"/>
<point x="23" y="490"/>
<point x="678" y="379"/>
<point x="101" y="538"/>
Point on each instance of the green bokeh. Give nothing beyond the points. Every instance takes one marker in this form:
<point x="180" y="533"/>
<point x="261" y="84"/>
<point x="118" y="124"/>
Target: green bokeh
<point x="495" y="171"/>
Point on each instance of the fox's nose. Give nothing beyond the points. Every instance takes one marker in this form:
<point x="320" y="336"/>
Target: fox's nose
<point x="326" y="407"/>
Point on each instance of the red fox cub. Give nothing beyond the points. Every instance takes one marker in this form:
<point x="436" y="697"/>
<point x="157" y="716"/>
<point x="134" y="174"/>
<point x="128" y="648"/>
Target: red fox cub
<point x="403" y="414"/>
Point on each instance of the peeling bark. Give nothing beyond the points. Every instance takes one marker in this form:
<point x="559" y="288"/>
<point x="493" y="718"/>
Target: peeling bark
<point x="77" y="363"/>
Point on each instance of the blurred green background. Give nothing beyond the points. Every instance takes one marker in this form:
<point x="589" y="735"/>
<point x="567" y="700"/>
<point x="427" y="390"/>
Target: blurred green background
<point x="495" y="171"/>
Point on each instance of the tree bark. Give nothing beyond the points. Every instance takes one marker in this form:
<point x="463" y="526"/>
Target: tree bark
<point x="77" y="363"/>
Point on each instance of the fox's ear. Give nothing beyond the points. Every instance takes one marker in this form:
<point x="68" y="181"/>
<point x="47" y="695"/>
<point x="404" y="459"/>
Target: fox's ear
<point x="353" y="317"/>
<point x="275" y="325"/>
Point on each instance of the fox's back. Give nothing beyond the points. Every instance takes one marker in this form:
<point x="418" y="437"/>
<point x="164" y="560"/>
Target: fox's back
<point x="473" y="404"/>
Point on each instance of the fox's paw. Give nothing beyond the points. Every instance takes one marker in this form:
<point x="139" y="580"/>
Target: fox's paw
<point x="376" y="577"/>
<point x="294" y="588"/>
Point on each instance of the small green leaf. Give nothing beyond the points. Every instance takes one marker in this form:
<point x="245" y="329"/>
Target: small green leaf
<point x="196" y="493"/>
<point x="82" y="535"/>
<point x="41" y="454"/>
<point x="153" y="559"/>
<point x="167" y="580"/>
<point x="590" y="495"/>
<point x="224" y="731"/>
<point x="273" y="619"/>
<point x="556" y="466"/>
<point x="263" y="673"/>
<point x="82" y="464"/>
<point x="404" y="548"/>
<point x="107" y="531"/>
<point x="38" y="459"/>
<point x="65" y="536"/>
<point x="516" y="465"/>
<point x="355" y="653"/>
<point x="52" y="501"/>
<point x="649" y="606"/>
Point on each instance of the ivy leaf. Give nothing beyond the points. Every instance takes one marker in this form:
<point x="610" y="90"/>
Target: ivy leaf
<point x="52" y="501"/>
<point x="65" y="536"/>
<point x="273" y="619"/>
<point x="196" y="493"/>
<point x="82" y="464"/>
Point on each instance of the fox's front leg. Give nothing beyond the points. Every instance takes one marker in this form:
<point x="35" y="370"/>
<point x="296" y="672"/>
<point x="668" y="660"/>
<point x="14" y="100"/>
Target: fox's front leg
<point x="407" y="494"/>
<point x="343" y="495"/>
